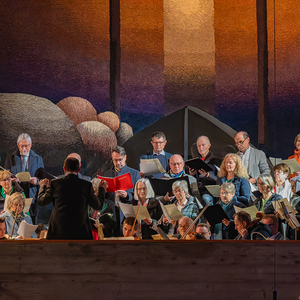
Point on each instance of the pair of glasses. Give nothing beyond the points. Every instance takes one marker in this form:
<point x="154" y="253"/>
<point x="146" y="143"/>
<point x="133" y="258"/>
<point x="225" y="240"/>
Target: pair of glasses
<point x="176" y="164"/>
<point x="240" y="142"/>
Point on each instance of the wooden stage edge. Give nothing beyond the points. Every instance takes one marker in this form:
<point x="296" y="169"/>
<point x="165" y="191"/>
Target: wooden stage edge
<point x="42" y="269"/>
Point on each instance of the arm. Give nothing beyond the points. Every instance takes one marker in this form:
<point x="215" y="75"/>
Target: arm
<point x="263" y="164"/>
<point x="244" y="192"/>
<point x="45" y="195"/>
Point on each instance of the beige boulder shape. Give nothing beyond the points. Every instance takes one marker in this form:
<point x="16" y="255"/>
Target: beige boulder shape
<point x="110" y="119"/>
<point x="78" y="109"/>
<point x="124" y="133"/>
<point x="97" y="137"/>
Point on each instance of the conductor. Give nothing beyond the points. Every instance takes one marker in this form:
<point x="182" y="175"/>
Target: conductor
<point x="70" y="196"/>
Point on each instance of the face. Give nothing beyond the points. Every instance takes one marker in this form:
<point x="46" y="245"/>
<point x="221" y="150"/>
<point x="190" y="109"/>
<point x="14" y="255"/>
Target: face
<point x="293" y="187"/>
<point x="158" y="144"/>
<point x="203" y="146"/>
<point x="127" y="230"/>
<point x="7" y="184"/>
<point x="239" y="225"/>
<point x="262" y="187"/>
<point x="279" y="176"/>
<point x="142" y="190"/>
<point x="17" y="205"/>
<point x="183" y="226"/>
<point x="179" y="194"/>
<point x="119" y="160"/>
<point x="230" y="165"/>
<point x="24" y="147"/>
<point x="298" y="143"/>
<point x="176" y="164"/>
<point x="241" y="142"/>
<point x="2" y="230"/>
<point x="203" y="231"/>
<point x="225" y="196"/>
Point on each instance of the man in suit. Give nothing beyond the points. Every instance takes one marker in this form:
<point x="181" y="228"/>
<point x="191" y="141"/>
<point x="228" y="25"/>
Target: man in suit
<point x="70" y="196"/>
<point x="26" y="160"/>
<point x="158" y="141"/>
<point x="120" y="168"/>
<point x="254" y="160"/>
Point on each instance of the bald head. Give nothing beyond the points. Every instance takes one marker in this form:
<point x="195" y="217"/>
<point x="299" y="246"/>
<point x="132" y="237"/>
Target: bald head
<point x="176" y="163"/>
<point x="77" y="156"/>
<point x="203" y="145"/>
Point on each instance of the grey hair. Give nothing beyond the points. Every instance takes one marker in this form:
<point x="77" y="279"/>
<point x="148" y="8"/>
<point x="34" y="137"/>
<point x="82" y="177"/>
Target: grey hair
<point x="180" y="184"/>
<point x="150" y="192"/>
<point x="24" y="136"/>
<point x="267" y="180"/>
<point x="15" y="198"/>
<point x="228" y="187"/>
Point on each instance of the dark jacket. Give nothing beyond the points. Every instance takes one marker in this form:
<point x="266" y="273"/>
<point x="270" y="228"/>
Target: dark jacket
<point x="70" y="197"/>
<point x="155" y="213"/>
<point x="268" y="208"/>
<point x="261" y="228"/>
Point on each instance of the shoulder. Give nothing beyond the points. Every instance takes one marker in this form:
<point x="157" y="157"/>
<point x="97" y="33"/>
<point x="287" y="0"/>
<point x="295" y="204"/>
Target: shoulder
<point x="5" y="214"/>
<point x="168" y="155"/>
<point x="131" y="171"/>
<point x="275" y="197"/>
<point x="33" y="154"/>
<point x="147" y="155"/>
<point x="257" y="152"/>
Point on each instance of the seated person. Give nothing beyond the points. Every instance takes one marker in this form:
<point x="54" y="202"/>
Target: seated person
<point x="127" y="227"/>
<point x="15" y="206"/>
<point x="144" y="196"/>
<point x="233" y="170"/>
<point x="184" y="204"/>
<point x="183" y="225"/>
<point x="2" y="229"/>
<point x="8" y="187"/>
<point x="282" y="186"/>
<point x="225" y="230"/>
<point x="265" y="185"/>
<point x="204" y="229"/>
<point x="176" y="165"/>
<point x="295" y="187"/>
<point x="107" y="215"/>
<point x="158" y="141"/>
<point x="273" y="223"/>
<point x="250" y="230"/>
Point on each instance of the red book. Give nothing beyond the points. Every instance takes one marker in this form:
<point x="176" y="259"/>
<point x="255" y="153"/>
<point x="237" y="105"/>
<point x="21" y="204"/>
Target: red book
<point x="122" y="182"/>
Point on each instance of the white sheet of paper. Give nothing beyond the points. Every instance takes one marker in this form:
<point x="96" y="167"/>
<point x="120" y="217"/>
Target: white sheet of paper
<point x="28" y="202"/>
<point x="130" y="211"/>
<point x="275" y="161"/>
<point x="151" y="166"/>
<point x="252" y="210"/>
<point x="214" y="190"/>
<point x="26" y="230"/>
<point x="23" y="176"/>
<point x="292" y="164"/>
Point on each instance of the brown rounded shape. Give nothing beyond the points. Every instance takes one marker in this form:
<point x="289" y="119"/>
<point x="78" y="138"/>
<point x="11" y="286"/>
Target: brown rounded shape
<point x="124" y="133"/>
<point x="78" y="109"/>
<point x="109" y="119"/>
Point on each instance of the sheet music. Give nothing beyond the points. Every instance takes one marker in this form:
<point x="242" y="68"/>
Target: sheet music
<point x="23" y="176"/>
<point x="130" y="211"/>
<point x="251" y="210"/>
<point x="214" y="190"/>
<point x="292" y="164"/>
<point x="28" y="202"/>
<point x="171" y="212"/>
<point x="26" y="230"/>
<point x="151" y="166"/>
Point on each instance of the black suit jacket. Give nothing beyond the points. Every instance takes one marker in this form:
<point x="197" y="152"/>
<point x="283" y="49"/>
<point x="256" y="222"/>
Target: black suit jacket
<point x="70" y="197"/>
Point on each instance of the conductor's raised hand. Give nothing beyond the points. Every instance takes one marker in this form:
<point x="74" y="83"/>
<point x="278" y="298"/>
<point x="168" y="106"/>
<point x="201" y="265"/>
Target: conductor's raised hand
<point x="44" y="182"/>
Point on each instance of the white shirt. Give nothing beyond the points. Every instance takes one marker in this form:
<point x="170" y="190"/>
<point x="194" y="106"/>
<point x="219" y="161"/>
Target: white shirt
<point x="245" y="158"/>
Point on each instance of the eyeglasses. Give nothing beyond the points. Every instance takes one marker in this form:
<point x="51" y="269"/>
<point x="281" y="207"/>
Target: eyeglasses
<point x="118" y="159"/>
<point x="178" y="191"/>
<point x="240" y="142"/>
<point x="176" y="164"/>
<point x="25" y="146"/>
<point x="142" y="189"/>
<point x="158" y="143"/>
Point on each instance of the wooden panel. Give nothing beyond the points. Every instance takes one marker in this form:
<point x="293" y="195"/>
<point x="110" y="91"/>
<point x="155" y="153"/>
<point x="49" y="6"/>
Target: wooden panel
<point x="148" y="270"/>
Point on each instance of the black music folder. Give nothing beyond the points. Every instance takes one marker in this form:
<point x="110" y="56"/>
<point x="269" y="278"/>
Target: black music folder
<point x="162" y="186"/>
<point x="215" y="214"/>
<point x="197" y="164"/>
<point x="41" y="173"/>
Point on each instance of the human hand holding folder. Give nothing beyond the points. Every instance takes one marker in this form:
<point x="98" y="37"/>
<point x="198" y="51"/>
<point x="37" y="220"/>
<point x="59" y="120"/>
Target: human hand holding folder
<point x="118" y="184"/>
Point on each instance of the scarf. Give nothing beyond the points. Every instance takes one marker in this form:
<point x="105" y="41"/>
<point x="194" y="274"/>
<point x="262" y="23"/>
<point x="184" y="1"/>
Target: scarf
<point x="20" y="217"/>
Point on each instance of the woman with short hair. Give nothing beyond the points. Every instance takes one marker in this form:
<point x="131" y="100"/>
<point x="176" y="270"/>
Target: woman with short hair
<point x="282" y="186"/>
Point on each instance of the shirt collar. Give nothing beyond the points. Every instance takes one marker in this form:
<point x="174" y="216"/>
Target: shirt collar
<point x="161" y="153"/>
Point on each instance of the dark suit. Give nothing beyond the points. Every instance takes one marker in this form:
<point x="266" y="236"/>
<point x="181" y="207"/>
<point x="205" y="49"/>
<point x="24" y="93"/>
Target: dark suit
<point x="70" y="197"/>
<point x="14" y="164"/>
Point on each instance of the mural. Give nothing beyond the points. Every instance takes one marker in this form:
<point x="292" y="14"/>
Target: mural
<point x="55" y="55"/>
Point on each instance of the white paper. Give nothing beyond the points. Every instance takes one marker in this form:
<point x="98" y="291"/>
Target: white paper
<point x="171" y="212"/>
<point x="26" y="230"/>
<point x="151" y="166"/>
<point x="275" y="161"/>
<point x="214" y="190"/>
<point x="23" y="176"/>
<point x="27" y="205"/>
<point x="251" y="210"/>
<point x="292" y="164"/>
<point x="130" y="211"/>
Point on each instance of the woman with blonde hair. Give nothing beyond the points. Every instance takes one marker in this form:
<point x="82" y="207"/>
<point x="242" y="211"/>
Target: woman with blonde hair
<point x="233" y="170"/>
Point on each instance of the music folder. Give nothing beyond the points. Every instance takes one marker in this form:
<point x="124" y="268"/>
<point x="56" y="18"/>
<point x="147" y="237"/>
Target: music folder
<point x="198" y="164"/>
<point x="215" y="214"/>
<point x="162" y="186"/>
<point x="41" y="173"/>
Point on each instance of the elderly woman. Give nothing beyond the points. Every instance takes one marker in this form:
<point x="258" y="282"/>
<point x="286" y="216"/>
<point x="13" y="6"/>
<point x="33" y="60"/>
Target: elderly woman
<point x="15" y="206"/>
<point x="107" y="215"/>
<point x="228" y="201"/>
<point x="144" y="196"/>
<point x="232" y="170"/>
<point x="7" y="189"/>
<point x="266" y="185"/>
<point x="296" y="154"/>
<point x="282" y="186"/>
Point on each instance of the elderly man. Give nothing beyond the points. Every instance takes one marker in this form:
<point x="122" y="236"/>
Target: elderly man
<point x="254" y="160"/>
<point x="183" y="225"/>
<point x="71" y="197"/>
<point x="176" y="171"/>
<point x="158" y="141"/>
<point x="206" y="178"/>
<point x="26" y="160"/>
<point x="120" y="168"/>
